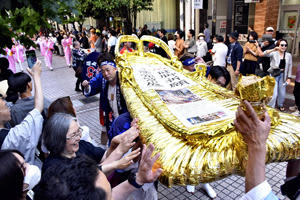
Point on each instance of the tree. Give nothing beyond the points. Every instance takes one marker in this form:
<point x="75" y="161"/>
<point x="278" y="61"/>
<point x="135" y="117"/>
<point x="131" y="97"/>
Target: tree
<point x="127" y="9"/>
<point x="21" y="23"/>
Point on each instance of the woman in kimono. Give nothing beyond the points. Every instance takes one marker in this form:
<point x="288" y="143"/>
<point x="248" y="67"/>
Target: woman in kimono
<point x="11" y="59"/>
<point x="19" y="55"/>
<point x="47" y="48"/>
<point x="66" y="43"/>
<point x="40" y="41"/>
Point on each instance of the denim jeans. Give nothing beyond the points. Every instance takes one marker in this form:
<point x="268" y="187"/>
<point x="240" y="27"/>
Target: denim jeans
<point x="279" y="92"/>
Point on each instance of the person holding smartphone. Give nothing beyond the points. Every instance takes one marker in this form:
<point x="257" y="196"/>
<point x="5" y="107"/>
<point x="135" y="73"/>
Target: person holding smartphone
<point x="250" y="54"/>
<point x="281" y="70"/>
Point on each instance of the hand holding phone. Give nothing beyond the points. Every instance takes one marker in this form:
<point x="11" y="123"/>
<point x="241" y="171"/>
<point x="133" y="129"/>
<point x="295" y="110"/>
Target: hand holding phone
<point x="31" y="58"/>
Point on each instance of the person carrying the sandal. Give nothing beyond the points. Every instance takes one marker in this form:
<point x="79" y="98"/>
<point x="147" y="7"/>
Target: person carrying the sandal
<point x="281" y="70"/>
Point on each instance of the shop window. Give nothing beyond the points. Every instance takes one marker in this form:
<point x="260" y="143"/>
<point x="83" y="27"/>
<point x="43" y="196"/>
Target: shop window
<point x="290" y="2"/>
<point x="241" y="12"/>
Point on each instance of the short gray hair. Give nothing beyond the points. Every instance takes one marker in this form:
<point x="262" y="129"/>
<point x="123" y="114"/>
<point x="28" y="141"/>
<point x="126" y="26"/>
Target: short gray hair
<point x="55" y="131"/>
<point x="75" y="43"/>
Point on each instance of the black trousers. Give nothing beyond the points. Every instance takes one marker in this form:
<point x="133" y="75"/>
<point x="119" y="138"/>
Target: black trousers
<point x="297" y="94"/>
<point x="78" y="83"/>
<point x="249" y="67"/>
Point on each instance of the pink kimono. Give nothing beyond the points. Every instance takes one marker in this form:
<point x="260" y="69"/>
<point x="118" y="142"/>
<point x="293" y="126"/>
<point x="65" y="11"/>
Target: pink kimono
<point x="11" y="59"/>
<point x="66" y="43"/>
<point x="19" y="56"/>
<point x="41" y="42"/>
<point x="47" y="46"/>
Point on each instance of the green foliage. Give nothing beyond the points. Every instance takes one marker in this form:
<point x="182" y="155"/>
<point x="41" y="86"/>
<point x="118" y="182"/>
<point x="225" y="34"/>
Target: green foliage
<point x="96" y="8"/>
<point x="5" y="35"/>
<point x="21" y="23"/>
<point x="26" y="20"/>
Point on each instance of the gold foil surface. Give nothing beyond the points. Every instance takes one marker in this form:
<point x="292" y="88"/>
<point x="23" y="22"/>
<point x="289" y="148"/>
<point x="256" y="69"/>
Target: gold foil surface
<point x="254" y="88"/>
<point x="202" y="153"/>
<point x="258" y="91"/>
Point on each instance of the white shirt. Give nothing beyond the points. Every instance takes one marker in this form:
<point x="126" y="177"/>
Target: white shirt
<point x="112" y="41"/>
<point x="104" y="32"/>
<point x="259" y="192"/>
<point x="111" y="93"/>
<point x="25" y="136"/>
<point x="220" y="52"/>
<point x="171" y="44"/>
<point x="201" y="48"/>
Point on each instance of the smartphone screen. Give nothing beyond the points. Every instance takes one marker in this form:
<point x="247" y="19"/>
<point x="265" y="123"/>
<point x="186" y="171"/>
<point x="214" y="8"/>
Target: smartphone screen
<point x="31" y="58"/>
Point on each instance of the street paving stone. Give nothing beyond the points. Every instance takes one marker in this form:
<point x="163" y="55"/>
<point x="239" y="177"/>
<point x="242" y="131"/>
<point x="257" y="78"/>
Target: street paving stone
<point x="61" y="82"/>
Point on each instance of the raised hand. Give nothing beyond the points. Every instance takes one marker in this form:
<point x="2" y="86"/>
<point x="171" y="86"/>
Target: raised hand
<point x="255" y="131"/>
<point x="145" y="173"/>
<point x="36" y="69"/>
<point x="125" y="141"/>
<point x="127" y="160"/>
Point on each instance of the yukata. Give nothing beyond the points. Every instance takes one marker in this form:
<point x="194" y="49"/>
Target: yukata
<point x="19" y="56"/>
<point x="41" y="42"/>
<point x="48" y="46"/>
<point x="106" y="115"/>
<point x="66" y="43"/>
<point x="11" y="59"/>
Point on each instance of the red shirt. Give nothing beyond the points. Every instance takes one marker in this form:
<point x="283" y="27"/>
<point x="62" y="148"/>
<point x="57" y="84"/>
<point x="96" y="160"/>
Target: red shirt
<point x="125" y="49"/>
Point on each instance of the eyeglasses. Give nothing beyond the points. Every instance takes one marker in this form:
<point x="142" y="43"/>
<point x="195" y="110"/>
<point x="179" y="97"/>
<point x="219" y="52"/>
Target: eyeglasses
<point x="283" y="45"/>
<point x="75" y="135"/>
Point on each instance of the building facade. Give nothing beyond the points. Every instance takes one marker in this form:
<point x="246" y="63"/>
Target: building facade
<point x="163" y="15"/>
<point x="225" y="16"/>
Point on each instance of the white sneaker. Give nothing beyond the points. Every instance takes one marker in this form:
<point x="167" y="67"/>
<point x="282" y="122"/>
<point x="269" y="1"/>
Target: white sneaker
<point x="190" y="188"/>
<point x="209" y="190"/>
<point x="296" y="113"/>
<point x="293" y="108"/>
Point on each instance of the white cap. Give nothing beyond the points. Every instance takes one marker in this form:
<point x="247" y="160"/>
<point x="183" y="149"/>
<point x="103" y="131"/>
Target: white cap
<point x="270" y="28"/>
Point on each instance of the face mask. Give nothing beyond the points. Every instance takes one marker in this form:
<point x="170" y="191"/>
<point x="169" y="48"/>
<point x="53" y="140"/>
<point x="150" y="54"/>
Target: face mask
<point x="214" y="41"/>
<point x="33" y="176"/>
<point x="109" y="35"/>
<point x="201" y="38"/>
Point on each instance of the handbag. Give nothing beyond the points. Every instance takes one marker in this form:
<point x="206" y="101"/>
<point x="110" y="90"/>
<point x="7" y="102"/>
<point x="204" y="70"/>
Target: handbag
<point x="276" y="72"/>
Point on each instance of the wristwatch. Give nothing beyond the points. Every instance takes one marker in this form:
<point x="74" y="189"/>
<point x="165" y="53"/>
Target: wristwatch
<point x="132" y="180"/>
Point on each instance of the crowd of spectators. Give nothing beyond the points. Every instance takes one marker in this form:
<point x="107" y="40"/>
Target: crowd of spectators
<point x="45" y="151"/>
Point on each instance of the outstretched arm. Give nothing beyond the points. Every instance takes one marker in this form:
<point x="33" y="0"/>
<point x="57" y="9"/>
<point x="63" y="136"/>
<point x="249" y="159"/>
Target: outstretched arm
<point x="145" y="174"/>
<point x="35" y="72"/>
<point x="255" y="134"/>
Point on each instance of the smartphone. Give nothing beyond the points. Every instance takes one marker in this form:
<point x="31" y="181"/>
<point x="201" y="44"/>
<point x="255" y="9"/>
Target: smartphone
<point x="31" y="58"/>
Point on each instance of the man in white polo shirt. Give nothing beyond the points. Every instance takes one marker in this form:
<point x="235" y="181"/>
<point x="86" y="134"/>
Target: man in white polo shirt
<point x="219" y="51"/>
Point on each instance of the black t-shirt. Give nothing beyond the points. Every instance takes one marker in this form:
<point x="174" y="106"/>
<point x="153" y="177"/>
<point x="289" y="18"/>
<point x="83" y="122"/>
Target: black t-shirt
<point x="84" y="42"/>
<point x="85" y="148"/>
<point x="265" y="61"/>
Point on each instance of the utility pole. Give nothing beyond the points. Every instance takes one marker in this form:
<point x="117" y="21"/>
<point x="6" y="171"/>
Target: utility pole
<point x="214" y="17"/>
<point x="229" y="17"/>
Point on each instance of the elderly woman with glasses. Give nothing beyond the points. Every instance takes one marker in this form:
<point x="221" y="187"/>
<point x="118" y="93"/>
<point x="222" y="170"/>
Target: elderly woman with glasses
<point x="281" y="70"/>
<point x="62" y="135"/>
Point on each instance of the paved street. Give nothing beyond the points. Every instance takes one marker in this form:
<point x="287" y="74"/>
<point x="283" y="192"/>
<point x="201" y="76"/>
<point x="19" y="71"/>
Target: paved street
<point x="61" y="82"/>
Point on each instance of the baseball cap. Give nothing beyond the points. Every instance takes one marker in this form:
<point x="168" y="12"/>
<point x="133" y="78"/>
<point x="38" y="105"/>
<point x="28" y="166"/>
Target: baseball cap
<point x="270" y="28"/>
